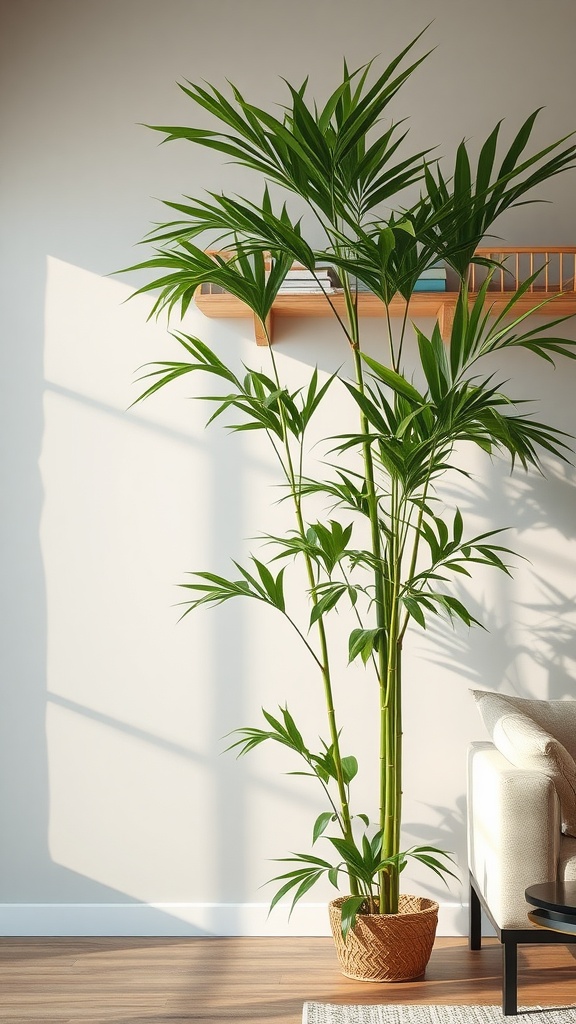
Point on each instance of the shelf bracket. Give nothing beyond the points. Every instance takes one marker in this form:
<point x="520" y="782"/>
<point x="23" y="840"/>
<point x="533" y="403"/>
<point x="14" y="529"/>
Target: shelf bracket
<point x="263" y="333"/>
<point x="446" y="319"/>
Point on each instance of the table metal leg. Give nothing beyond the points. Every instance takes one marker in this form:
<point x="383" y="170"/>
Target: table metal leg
<point x="509" y="977"/>
<point x="475" y="923"/>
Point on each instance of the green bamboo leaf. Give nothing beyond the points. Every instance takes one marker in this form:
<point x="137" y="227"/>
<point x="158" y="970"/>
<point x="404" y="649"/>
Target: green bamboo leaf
<point x="363" y="642"/>
<point x="386" y="244"/>
<point x="413" y="608"/>
<point x="455" y="607"/>
<point x="352" y="858"/>
<point x="376" y="846"/>
<point x="275" y="723"/>
<point x="367" y="853"/>
<point x="302" y="883"/>
<point x="378" y="154"/>
<point x="303" y="858"/>
<point x="462" y="175"/>
<point x="442" y="531"/>
<point x="333" y="876"/>
<point x="292" y="731"/>
<point x="309" y="132"/>
<point x="281" y="134"/>
<point x="329" y="600"/>
<point x="349" y="768"/>
<point x="457" y="526"/>
<point x="332" y="103"/>
<point x="249" y="738"/>
<point x="366" y="111"/>
<point x="274" y="586"/>
<point x="349" y="910"/>
<point x="430" y="366"/>
<point x="458" y="568"/>
<point x="486" y="161"/>
<point x="321" y="824"/>
<point x="517" y="148"/>
<point x="433" y="858"/>
<point x="371" y="410"/>
<point x="394" y="380"/>
<point x="429" y="536"/>
<point x="304" y="887"/>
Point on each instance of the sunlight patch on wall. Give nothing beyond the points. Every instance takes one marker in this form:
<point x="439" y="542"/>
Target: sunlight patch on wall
<point x="123" y="812"/>
<point x="141" y="798"/>
<point x="127" y="511"/>
<point x="116" y="531"/>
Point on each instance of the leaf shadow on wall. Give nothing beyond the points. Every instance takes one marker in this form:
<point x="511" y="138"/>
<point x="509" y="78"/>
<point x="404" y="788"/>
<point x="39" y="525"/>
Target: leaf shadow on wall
<point x="530" y="618"/>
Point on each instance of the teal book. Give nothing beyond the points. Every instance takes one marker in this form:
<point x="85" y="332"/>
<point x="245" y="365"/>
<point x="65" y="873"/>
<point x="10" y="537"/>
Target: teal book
<point x="430" y="285"/>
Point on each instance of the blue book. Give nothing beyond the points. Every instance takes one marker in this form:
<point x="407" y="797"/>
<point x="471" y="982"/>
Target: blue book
<point x="430" y="285"/>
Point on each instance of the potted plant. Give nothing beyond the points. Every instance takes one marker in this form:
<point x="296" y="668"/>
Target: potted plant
<point x="386" y="549"/>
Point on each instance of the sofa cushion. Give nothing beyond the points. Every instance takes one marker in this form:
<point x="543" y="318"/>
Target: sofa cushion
<point x="557" y="717"/>
<point x="567" y="860"/>
<point x="527" y="732"/>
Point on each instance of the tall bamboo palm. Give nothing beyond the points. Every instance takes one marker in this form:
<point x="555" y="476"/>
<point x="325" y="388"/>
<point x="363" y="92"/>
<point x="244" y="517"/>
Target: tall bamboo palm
<point x="346" y="161"/>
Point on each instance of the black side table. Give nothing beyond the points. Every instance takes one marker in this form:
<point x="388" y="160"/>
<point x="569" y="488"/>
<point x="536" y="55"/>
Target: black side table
<point x="551" y="898"/>
<point x="556" y="906"/>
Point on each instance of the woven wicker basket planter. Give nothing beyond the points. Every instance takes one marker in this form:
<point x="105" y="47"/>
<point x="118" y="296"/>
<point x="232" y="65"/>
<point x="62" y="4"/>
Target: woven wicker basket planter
<point x="387" y="947"/>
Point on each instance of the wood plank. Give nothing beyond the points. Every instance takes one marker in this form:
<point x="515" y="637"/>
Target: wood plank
<point x="438" y="305"/>
<point x="170" y="980"/>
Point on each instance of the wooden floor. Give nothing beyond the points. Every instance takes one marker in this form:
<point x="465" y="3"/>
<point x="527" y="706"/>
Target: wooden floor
<point x="264" y="980"/>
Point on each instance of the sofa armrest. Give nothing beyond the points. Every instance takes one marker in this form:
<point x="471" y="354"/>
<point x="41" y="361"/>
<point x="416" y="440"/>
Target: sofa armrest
<point x="513" y="832"/>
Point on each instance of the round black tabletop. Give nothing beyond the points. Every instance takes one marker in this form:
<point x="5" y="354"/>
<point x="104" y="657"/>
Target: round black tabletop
<point x="558" y="897"/>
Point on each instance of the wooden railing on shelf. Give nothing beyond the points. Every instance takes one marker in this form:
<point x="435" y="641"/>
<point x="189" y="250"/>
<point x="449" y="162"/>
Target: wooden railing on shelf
<point x="556" y="276"/>
<point x="554" y="266"/>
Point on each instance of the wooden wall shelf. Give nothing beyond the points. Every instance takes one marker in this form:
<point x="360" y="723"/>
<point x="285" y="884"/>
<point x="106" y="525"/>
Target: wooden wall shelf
<point x="556" y="266"/>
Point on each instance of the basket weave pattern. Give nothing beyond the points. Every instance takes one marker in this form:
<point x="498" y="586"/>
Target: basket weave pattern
<point x="386" y="947"/>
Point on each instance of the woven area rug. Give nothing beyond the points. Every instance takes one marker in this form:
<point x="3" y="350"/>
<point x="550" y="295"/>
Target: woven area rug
<point x="325" y="1013"/>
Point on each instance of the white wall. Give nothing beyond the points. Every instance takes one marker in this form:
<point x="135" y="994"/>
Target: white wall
<point x="118" y="810"/>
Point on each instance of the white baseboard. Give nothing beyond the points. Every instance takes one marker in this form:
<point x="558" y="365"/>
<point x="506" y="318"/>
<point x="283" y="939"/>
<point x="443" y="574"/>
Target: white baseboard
<point x="184" y="919"/>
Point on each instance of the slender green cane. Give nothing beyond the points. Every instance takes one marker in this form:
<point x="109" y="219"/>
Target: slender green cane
<point x="325" y="661"/>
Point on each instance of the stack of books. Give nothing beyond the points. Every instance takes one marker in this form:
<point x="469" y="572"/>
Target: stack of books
<point x="300" y="281"/>
<point x="432" y="280"/>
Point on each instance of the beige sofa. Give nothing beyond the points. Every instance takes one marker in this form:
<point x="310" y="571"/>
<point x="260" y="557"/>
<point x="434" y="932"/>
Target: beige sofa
<point x="521" y="806"/>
